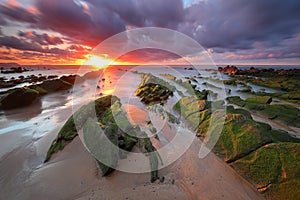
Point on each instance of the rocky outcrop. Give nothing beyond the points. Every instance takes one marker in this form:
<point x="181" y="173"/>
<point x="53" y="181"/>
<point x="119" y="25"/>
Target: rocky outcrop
<point x="153" y="90"/>
<point x="260" y="99"/>
<point x="55" y="85"/>
<point x="112" y="124"/>
<point x="14" y="70"/>
<point x="22" y="79"/>
<point x="19" y="97"/>
<point x="288" y="114"/>
<point x="268" y="158"/>
<point x="229" y="69"/>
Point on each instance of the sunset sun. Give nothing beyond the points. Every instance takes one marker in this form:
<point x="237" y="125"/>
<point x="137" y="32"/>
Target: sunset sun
<point x="98" y="61"/>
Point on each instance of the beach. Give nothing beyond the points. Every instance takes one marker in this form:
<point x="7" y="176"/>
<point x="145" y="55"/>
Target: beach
<point x="26" y="135"/>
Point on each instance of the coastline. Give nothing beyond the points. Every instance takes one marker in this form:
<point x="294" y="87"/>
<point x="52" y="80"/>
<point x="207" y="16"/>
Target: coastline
<point x="74" y="174"/>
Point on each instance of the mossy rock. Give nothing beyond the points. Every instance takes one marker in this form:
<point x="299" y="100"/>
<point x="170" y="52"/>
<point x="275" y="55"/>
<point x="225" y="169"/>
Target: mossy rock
<point x="153" y="90"/>
<point x="230" y="82"/>
<point x="236" y="100"/>
<point x="40" y="90"/>
<point x="107" y="136"/>
<point x="188" y="105"/>
<point x="287" y="83"/>
<point x="264" y="156"/>
<point x="288" y="114"/>
<point x="102" y="144"/>
<point x="145" y="145"/>
<point x="246" y="89"/>
<point x="260" y="99"/>
<point x="17" y="98"/>
<point x="55" y="85"/>
<point x="241" y="135"/>
<point x="274" y="169"/>
<point x="69" y="131"/>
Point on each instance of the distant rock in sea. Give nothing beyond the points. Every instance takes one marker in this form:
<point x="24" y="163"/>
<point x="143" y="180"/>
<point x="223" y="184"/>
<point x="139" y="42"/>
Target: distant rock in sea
<point x="229" y="69"/>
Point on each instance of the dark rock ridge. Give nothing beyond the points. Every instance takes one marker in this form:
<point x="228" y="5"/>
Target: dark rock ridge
<point x="115" y="126"/>
<point x="20" y="97"/>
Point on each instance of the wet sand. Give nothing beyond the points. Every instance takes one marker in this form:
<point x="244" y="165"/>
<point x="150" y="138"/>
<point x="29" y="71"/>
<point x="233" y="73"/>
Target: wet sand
<point x="73" y="174"/>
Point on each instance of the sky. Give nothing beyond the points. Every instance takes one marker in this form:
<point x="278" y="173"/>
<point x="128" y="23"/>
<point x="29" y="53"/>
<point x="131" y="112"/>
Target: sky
<point x="35" y="32"/>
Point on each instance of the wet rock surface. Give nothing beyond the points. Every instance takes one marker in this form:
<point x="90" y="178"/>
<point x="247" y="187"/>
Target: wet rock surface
<point x="153" y="90"/>
<point x="266" y="157"/>
<point x="21" y="97"/>
<point x="112" y="124"/>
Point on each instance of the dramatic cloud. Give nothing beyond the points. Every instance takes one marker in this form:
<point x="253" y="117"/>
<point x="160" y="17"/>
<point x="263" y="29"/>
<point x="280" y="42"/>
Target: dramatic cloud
<point x="42" y="39"/>
<point x="16" y="12"/>
<point x="77" y="21"/>
<point x="230" y="29"/>
<point x="236" y="24"/>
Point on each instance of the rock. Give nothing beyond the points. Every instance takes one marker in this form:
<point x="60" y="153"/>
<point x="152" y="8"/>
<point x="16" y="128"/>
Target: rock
<point x="40" y="90"/>
<point x="104" y="150"/>
<point x="260" y="99"/>
<point x="18" y="98"/>
<point x="230" y="70"/>
<point x="52" y="77"/>
<point x="153" y="90"/>
<point x="14" y="70"/>
<point x="161" y="179"/>
<point x="108" y="111"/>
<point x="55" y="85"/>
<point x="69" y="131"/>
<point x="72" y="78"/>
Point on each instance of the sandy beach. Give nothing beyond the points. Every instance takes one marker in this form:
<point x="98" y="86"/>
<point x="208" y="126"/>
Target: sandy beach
<point x="73" y="173"/>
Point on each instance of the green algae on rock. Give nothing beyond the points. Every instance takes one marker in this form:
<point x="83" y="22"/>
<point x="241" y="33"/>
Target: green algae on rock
<point x="153" y="90"/>
<point x="18" y="97"/>
<point x="107" y="137"/>
<point x="69" y="131"/>
<point x="260" y="99"/>
<point x="274" y="169"/>
<point x="286" y="113"/>
<point x="190" y="88"/>
<point x="286" y="82"/>
<point x="21" y="97"/>
<point x="245" y="144"/>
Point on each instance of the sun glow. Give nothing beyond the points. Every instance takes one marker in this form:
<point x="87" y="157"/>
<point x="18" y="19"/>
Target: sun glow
<point x="98" y="61"/>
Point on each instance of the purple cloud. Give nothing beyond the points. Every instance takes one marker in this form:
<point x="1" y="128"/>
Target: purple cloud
<point x="42" y="39"/>
<point x="17" y="13"/>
